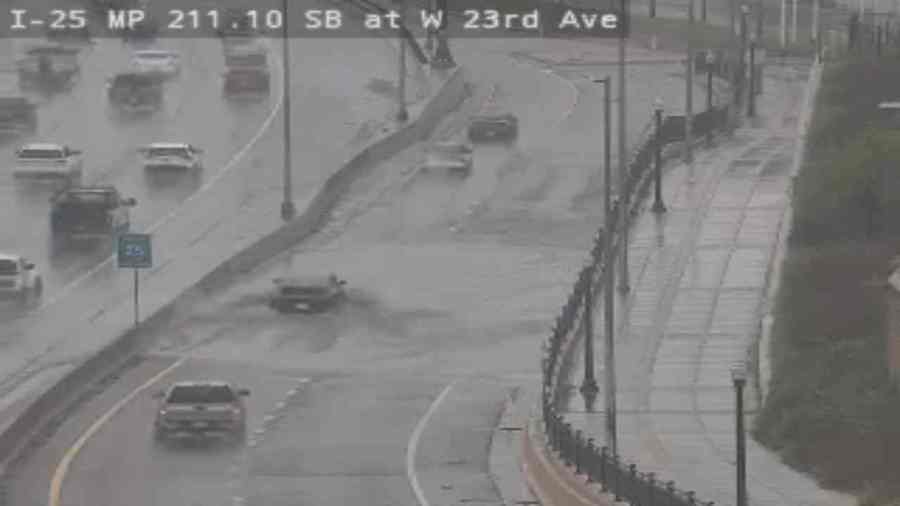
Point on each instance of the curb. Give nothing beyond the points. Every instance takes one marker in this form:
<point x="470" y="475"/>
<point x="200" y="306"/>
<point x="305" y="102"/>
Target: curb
<point x="553" y="483"/>
<point x="773" y="271"/>
<point x="40" y="413"/>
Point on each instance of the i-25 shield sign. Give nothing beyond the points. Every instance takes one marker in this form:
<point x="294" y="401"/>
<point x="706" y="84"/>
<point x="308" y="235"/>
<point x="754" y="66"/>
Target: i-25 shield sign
<point x="134" y="251"/>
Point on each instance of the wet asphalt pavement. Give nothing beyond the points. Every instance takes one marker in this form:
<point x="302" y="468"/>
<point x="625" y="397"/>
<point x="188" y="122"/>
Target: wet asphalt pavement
<point x="335" y="109"/>
<point x="452" y="285"/>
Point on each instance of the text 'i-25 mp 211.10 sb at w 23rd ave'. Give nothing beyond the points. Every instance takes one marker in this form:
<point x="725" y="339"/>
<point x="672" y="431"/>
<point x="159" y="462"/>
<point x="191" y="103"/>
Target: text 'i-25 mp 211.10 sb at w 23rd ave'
<point x="332" y="22"/>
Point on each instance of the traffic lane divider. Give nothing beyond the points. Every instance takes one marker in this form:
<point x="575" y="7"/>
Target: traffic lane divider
<point x="16" y="438"/>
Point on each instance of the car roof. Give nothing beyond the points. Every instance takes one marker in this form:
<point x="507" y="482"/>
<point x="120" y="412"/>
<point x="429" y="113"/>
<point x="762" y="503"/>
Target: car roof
<point x="493" y="116"/>
<point x="10" y="256"/>
<point x="165" y="52"/>
<point x="302" y="281"/>
<point x="201" y="383"/>
<point x="42" y="146"/>
<point x="50" y="48"/>
<point x="90" y="189"/>
<point x="165" y="145"/>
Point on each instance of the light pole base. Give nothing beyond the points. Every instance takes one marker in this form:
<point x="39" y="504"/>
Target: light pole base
<point x="288" y="211"/>
<point x="442" y="57"/>
<point x="659" y="207"/>
<point x="589" y="387"/>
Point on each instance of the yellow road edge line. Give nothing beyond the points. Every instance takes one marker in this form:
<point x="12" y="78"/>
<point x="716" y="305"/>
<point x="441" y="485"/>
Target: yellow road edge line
<point x="59" y="474"/>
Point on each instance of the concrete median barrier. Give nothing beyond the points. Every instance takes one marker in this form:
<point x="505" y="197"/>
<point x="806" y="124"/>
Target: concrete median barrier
<point x="53" y="402"/>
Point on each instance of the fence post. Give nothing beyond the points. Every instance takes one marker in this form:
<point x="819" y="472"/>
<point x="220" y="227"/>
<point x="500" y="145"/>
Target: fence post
<point x="590" y="460"/>
<point x="579" y="454"/>
<point x="603" y="476"/>
<point x="651" y="488"/>
<point x="617" y="478"/>
<point x="567" y="434"/>
<point x="632" y="495"/>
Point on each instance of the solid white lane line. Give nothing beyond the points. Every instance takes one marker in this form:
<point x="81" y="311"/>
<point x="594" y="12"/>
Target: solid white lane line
<point x="414" y="443"/>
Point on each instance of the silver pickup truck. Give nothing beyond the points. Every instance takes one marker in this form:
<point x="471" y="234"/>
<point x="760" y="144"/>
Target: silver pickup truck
<point x="201" y="409"/>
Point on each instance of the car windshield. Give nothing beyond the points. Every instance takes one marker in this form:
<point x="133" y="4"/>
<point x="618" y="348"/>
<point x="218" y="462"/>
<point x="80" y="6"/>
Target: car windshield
<point x="201" y="394"/>
<point x="41" y="154"/>
<point x="8" y="267"/>
<point x="88" y="198"/>
<point x="161" y="152"/>
<point x="304" y="290"/>
<point x="250" y="60"/>
<point x="154" y="56"/>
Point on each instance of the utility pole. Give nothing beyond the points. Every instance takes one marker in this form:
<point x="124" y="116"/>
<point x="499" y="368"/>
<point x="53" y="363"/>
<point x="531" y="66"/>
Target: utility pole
<point x="624" y="285"/>
<point x="288" y="211"/>
<point x="402" y="113"/>
<point x="689" y="97"/>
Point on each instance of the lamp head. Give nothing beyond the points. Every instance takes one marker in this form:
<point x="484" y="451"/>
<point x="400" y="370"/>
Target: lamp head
<point x="739" y="375"/>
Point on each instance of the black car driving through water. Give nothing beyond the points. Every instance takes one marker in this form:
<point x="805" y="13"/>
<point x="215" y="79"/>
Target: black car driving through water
<point x="494" y="127"/>
<point x="306" y="294"/>
<point x="18" y="116"/>
<point x="49" y="67"/>
<point x="89" y="213"/>
<point x="135" y="92"/>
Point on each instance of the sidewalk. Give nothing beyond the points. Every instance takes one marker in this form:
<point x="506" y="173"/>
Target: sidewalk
<point x="698" y="280"/>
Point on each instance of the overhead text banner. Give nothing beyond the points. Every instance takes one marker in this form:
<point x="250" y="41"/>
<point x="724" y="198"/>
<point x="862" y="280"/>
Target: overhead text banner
<point x="266" y="18"/>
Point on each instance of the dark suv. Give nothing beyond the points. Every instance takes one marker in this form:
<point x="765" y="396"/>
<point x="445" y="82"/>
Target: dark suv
<point x="494" y="127"/>
<point x="201" y="409"/>
<point x="135" y="92"/>
<point x="294" y="295"/>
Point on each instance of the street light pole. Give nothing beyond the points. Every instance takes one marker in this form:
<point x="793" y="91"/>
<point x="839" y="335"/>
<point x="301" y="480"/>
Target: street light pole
<point x="443" y="59"/>
<point x="742" y="68"/>
<point x="623" y="161"/>
<point x="751" y="99"/>
<point x="710" y="61"/>
<point x="402" y="113"/>
<point x="658" y="206"/>
<point x="689" y="91"/>
<point x="739" y="379"/>
<point x="609" y="288"/>
<point x="288" y="211"/>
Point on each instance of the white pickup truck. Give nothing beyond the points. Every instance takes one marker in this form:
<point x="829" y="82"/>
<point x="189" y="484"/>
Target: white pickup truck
<point x="51" y="162"/>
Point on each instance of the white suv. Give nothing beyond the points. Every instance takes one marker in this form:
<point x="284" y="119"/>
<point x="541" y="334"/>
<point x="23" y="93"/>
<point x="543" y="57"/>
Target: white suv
<point x="19" y="278"/>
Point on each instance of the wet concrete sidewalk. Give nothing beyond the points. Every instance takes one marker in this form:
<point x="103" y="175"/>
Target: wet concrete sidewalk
<point x="698" y="287"/>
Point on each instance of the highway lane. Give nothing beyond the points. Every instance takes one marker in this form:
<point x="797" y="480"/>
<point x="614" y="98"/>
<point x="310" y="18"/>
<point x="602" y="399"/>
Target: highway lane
<point x="337" y="107"/>
<point x="442" y="292"/>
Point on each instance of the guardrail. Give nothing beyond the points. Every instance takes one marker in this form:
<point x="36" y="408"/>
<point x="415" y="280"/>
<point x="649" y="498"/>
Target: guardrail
<point x="612" y="472"/>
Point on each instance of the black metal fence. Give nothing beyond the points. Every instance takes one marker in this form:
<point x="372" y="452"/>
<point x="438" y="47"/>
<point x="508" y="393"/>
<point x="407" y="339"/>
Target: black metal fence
<point x="610" y="471"/>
